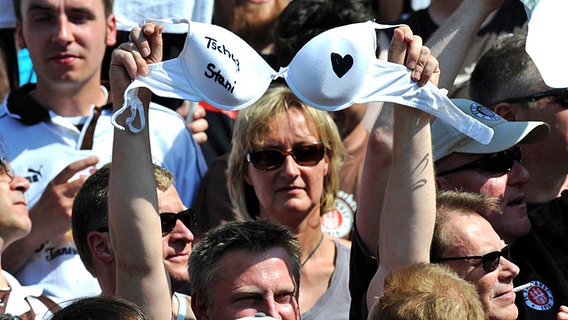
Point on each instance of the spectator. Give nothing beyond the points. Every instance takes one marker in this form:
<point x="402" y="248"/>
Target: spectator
<point x="298" y="23"/>
<point x="516" y="91"/>
<point x="245" y="267"/>
<point x="427" y="291"/>
<point x="15" y="223"/>
<point x="66" y="117"/>
<point x="101" y="307"/>
<point x="467" y="243"/>
<point x="495" y="170"/>
<point x="90" y="232"/>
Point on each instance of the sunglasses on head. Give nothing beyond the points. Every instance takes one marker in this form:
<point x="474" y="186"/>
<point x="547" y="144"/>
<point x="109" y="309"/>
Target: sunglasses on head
<point x="498" y="162"/>
<point x="6" y="169"/>
<point x="560" y="96"/>
<point x="489" y="261"/>
<point x="270" y="159"/>
<point x="168" y="221"/>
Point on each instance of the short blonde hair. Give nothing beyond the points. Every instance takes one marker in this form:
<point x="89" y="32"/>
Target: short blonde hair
<point x="250" y="129"/>
<point x="427" y="291"/>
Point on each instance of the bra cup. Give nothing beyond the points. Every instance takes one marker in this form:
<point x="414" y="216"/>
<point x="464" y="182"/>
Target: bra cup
<point x="223" y="69"/>
<point x="331" y="69"/>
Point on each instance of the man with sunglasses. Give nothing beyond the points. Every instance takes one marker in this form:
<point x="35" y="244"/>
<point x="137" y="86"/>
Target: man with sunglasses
<point x="90" y="227"/>
<point x="495" y="170"/>
<point x="516" y="91"/>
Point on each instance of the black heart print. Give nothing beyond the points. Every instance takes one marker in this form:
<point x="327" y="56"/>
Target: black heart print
<point x="341" y="64"/>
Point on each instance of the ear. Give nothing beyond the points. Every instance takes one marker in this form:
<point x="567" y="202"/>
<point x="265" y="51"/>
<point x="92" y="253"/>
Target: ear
<point x="100" y="246"/>
<point x="199" y="306"/>
<point x="326" y="165"/>
<point x="20" y="35"/>
<point x="247" y="178"/>
<point x="505" y="110"/>
<point x="111" y="30"/>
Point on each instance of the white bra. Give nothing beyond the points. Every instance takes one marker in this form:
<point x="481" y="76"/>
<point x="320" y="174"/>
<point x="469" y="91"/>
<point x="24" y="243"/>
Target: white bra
<point x="331" y="72"/>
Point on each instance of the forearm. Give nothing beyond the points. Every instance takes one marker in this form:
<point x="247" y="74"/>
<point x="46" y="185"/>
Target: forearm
<point x="135" y="224"/>
<point x="452" y="40"/>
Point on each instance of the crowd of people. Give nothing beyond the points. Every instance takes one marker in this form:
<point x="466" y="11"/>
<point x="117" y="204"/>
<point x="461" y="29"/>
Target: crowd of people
<point x="304" y="200"/>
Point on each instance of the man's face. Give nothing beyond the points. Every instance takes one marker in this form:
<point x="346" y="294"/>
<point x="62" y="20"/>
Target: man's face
<point x="177" y="244"/>
<point x="250" y="283"/>
<point x="15" y="222"/>
<point x="512" y="222"/>
<point x="66" y="39"/>
<point x="473" y="236"/>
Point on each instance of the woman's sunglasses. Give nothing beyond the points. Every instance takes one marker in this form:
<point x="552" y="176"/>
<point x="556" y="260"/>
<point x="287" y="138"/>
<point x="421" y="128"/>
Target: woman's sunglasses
<point x="499" y="162"/>
<point x="168" y="221"/>
<point x="270" y="159"/>
<point x="489" y="261"/>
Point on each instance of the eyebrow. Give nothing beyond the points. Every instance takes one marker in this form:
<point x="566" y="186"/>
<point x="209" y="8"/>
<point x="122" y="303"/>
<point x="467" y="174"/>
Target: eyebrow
<point x="41" y="7"/>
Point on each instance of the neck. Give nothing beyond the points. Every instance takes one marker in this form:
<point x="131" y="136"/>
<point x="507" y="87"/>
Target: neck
<point x="70" y="101"/>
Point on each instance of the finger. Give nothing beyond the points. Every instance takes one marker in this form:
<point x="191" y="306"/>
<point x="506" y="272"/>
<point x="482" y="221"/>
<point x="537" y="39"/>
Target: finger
<point x="421" y="60"/>
<point x="413" y="52"/>
<point x="139" y="38"/>
<point x="198" y="125"/>
<point x="154" y="34"/>
<point x="397" y="47"/>
<point x="183" y="109"/>
<point x="199" y="112"/>
<point x="74" y="186"/>
<point x="430" y="73"/>
<point x="200" y="137"/>
<point x="73" y="168"/>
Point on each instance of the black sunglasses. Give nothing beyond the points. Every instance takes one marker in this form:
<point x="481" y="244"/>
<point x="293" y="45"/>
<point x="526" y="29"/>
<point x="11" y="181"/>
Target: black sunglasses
<point x="168" y="221"/>
<point x="499" y="162"/>
<point x="6" y="169"/>
<point x="560" y="95"/>
<point x="489" y="261"/>
<point x="270" y="159"/>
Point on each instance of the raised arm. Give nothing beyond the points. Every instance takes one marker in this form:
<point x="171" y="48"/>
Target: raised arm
<point x="133" y="206"/>
<point x="409" y="204"/>
<point x="452" y="41"/>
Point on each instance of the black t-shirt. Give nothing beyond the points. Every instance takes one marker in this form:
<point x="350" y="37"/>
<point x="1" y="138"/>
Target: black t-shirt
<point x="542" y="256"/>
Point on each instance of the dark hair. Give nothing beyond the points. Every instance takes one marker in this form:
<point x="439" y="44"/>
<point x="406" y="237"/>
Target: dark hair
<point x="302" y="20"/>
<point x="18" y="8"/>
<point x="90" y="207"/>
<point x="100" y="307"/>
<point x="253" y="236"/>
<point x="503" y="72"/>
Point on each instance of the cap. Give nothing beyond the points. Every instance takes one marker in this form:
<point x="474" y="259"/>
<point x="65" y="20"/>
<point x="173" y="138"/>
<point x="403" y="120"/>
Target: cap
<point x="447" y="140"/>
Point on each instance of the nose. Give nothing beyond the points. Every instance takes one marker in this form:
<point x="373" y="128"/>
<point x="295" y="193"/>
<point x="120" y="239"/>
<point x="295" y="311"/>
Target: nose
<point x="511" y="269"/>
<point x="271" y="309"/>
<point x="64" y="32"/>
<point x="19" y="183"/>
<point x="518" y="174"/>
<point x="181" y="232"/>
<point x="290" y="167"/>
